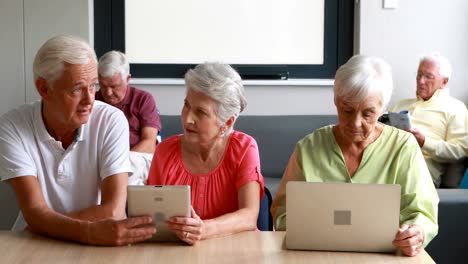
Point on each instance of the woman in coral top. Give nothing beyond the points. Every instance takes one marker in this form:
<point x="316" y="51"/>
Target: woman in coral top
<point x="221" y="165"/>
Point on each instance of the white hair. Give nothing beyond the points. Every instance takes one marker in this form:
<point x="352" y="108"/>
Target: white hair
<point x="221" y="83"/>
<point x="113" y="62"/>
<point x="362" y="76"/>
<point x="50" y="59"/>
<point x="445" y="68"/>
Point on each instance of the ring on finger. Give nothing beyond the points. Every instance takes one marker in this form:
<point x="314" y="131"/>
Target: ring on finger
<point x="187" y="234"/>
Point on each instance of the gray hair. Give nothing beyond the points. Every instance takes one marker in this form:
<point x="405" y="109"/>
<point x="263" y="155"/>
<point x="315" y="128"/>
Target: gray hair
<point x="445" y="68"/>
<point x="363" y="75"/>
<point x="50" y="59"/>
<point x="113" y="62"/>
<point x="221" y="83"/>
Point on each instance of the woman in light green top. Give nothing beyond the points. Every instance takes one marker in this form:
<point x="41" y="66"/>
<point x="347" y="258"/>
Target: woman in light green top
<point x="361" y="150"/>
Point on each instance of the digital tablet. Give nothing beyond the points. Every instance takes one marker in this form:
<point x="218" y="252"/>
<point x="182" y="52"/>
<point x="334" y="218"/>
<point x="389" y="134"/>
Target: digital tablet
<point x="162" y="203"/>
<point x="401" y="120"/>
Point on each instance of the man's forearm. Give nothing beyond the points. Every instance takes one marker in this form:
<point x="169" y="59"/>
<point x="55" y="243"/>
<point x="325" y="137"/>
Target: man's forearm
<point x="444" y="151"/>
<point x="98" y="212"/>
<point x="47" y="222"/>
<point x="146" y="146"/>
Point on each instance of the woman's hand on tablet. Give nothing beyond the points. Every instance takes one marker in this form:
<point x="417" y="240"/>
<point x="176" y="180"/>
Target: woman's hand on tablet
<point x="188" y="229"/>
<point x="112" y="232"/>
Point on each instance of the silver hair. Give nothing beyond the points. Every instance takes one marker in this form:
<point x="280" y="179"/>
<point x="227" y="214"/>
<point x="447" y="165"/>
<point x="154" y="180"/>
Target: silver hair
<point x="50" y="59"/>
<point x="221" y="83"/>
<point x="445" y="68"/>
<point x="362" y="76"/>
<point x="113" y="62"/>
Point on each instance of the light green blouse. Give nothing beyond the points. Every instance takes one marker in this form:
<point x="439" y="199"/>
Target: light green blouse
<point x="394" y="158"/>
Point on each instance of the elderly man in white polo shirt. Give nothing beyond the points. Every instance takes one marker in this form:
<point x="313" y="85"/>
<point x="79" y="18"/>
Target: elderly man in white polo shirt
<point x="66" y="156"/>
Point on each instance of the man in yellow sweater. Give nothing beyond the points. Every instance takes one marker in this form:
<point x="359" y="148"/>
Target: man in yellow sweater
<point x="439" y="121"/>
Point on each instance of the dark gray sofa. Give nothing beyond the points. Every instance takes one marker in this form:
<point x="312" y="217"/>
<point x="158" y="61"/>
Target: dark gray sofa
<point x="276" y="137"/>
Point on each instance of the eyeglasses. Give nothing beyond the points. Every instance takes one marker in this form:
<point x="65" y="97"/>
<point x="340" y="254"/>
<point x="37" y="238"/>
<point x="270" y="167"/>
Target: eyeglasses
<point x="426" y="76"/>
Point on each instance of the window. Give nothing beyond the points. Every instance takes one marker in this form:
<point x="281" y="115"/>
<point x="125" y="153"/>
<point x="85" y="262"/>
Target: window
<point x="306" y="39"/>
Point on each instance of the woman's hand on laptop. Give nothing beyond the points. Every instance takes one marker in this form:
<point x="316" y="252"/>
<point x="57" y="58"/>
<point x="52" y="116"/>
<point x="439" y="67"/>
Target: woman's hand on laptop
<point x="409" y="239"/>
<point x="188" y="229"/>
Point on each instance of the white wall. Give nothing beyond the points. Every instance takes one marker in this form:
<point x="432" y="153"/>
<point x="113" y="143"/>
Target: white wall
<point x="398" y="35"/>
<point x="11" y="54"/>
<point x="46" y="18"/>
<point x="261" y="100"/>
<point x="417" y="27"/>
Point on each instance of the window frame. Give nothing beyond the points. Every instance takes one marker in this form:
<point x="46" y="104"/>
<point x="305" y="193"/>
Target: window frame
<point x="109" y="34"/>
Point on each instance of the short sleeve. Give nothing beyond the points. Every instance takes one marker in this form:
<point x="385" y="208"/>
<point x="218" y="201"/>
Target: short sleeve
<point x="149" y="116"/>
<point x="115" y="147"/>
<point x="249" y="165"/>
<point x="14" y="161"/>
<point x="166" y="157"/>
<point x="155" y="173"/>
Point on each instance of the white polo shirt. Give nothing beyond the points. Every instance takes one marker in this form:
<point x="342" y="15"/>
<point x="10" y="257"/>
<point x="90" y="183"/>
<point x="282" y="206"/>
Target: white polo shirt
<point x="70" y="179"/>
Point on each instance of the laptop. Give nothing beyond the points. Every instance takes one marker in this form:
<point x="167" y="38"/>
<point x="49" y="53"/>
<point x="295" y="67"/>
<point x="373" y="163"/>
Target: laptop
<point x="162" y="203"/>
<point x="342" y="216"/>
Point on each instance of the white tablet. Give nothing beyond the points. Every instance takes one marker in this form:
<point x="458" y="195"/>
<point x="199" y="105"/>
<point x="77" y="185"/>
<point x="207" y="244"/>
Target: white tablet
<point x="162" y="203"/>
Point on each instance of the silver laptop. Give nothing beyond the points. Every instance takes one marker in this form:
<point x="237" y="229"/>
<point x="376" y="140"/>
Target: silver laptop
<point x="342" y="216"/>
<point x="161" y="202"/>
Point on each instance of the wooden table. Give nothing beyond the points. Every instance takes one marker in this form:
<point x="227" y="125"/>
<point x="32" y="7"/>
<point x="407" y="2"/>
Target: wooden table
<point x="242" y="248"/>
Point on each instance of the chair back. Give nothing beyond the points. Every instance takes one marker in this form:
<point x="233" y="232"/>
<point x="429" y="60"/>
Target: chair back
<point x="265" y="220"/>
<point x="464" y="181"/>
